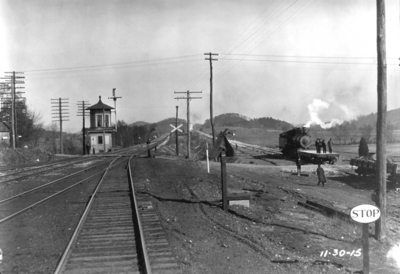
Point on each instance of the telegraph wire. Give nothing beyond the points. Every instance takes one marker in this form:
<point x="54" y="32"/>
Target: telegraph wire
<point x="269" y="35"/>
<point x="121" y="67"/>
<point x="305" y="56"/>
<point x="279" y="13"/>
<point x="202" y="75"/>
<point x="145" y="62"/>
<point x="251" y="25"/>
<point x="256" y="33"/>
<point x="302" y="61"/>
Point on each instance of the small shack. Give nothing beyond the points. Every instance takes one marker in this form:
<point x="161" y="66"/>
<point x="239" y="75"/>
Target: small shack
<point x="100" y="130"/>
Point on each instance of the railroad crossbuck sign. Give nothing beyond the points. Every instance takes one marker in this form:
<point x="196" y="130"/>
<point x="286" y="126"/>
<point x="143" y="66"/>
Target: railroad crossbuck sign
<point x="365" y="213"/>
<point x="176" y="128"/>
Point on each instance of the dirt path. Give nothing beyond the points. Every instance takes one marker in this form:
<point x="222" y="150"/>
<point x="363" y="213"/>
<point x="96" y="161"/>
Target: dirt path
<point x="273" y="235"/>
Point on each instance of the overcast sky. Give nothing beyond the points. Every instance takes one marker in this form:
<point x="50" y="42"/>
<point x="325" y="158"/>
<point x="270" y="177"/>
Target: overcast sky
<point x="275" y="56"/>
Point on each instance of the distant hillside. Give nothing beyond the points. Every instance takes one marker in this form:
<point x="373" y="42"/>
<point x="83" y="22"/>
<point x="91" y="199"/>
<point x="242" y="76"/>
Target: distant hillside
<point x="393" y="117"/>
<point x="164" y="126"/>
<point x="139" y="123"/>
<point x="237" y="120"/>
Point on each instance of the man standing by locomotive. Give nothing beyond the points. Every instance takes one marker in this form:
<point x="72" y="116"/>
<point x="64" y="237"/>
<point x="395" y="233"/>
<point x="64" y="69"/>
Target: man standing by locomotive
<point x="323" y="146"/>
<point x="318" y="146"/>
<point x="330" y="143"/>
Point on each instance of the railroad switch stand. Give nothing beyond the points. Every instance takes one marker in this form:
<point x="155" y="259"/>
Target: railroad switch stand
<point x="223" y="149"/>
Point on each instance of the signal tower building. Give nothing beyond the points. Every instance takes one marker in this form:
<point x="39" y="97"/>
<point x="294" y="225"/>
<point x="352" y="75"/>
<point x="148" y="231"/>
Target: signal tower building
<point x="100" y="131"/>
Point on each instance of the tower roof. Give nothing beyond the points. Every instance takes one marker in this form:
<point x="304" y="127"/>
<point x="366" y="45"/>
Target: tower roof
<point x="100" y="105"/>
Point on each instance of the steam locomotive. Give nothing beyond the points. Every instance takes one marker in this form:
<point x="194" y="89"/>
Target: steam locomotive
<point x="293" y="140"/>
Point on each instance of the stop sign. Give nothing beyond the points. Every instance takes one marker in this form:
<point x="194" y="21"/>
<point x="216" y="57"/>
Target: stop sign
<point x="365" y="213"/>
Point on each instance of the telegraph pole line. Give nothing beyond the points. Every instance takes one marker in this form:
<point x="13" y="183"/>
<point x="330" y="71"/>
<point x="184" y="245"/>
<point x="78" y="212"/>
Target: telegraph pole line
<point x="211" y="93"/>
<point x="380" y="225"/>
<point x="59" y="107"/>
<point x="188" y="114"/>
<point x="12" y="79"/>
<point x="82" y="105"/>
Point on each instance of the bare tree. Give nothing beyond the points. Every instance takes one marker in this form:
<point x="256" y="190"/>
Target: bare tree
<point x="52" y="133"/>
<point x="366" y="132"/>
<point x="390" y="137"/>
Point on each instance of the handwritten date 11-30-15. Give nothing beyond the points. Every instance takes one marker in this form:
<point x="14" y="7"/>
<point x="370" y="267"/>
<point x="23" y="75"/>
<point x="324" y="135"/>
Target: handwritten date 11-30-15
<point x="341" y="253"/>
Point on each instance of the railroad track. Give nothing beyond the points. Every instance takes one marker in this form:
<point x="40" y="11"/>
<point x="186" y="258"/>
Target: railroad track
<point x="16" y="173"/>
<point x="18" y="203"/>
<point x="118" y="232"/>
<point x="20" y="174"/>
<point x="108" y="239"/>
<point x="30" y="166"/>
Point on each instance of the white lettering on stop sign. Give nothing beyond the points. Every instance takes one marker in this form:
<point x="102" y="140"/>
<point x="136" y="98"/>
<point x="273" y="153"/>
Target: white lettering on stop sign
<point x="365" y="213"/>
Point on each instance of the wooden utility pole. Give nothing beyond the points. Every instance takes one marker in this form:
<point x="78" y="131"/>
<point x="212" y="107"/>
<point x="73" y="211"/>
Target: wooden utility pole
<point x="115" y="111"/>
<point x="81" y="112"/>
<point x="176" y="132"/>
<point x="13" y="81"/>
<point x="188" y="115"/>
<point x="211" y="93"/>
<point x="115" y="106"/>
<point x="380" y="225"/>
<point x="104" y="131"/>
<point x="59" y="107"/>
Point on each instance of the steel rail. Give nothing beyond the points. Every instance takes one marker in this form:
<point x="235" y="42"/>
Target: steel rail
<point x="152" y="144"/>
<point x="63" y="260"/>
<point x="27" y="175"/>
<point x="33" y="167"/>
<point x="139" y="223"/>
<point x="47" y="198"/>
<point x="50" y="183"/>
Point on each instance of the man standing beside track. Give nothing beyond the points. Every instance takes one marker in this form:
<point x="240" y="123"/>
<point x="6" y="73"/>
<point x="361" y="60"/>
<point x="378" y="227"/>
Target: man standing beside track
<point x="88" y="148"/>
<point x="323" y="146"/>
<point x="321" y="175"/>
<point x="298" y="164"/>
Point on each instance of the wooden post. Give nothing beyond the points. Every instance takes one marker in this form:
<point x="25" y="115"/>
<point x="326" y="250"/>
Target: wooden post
<point x="208" y="160"/>
<point x="176" y="133"/>
<point x="365" y="242"/>
<point x="380" y="225"/>
<point x="223" y="182"/>
<point x="13" y="133"/>
<point x="83" y="128"/>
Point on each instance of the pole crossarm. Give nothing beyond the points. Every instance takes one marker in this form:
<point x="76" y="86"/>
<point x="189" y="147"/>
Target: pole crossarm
<point x="188" y="98"/>
<point x="59" y="117"/>
<point x="10" y="90"/>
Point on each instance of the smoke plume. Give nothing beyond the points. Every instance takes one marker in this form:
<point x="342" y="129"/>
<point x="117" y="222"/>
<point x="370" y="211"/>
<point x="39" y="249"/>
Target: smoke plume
<point x="315" y="108"/>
